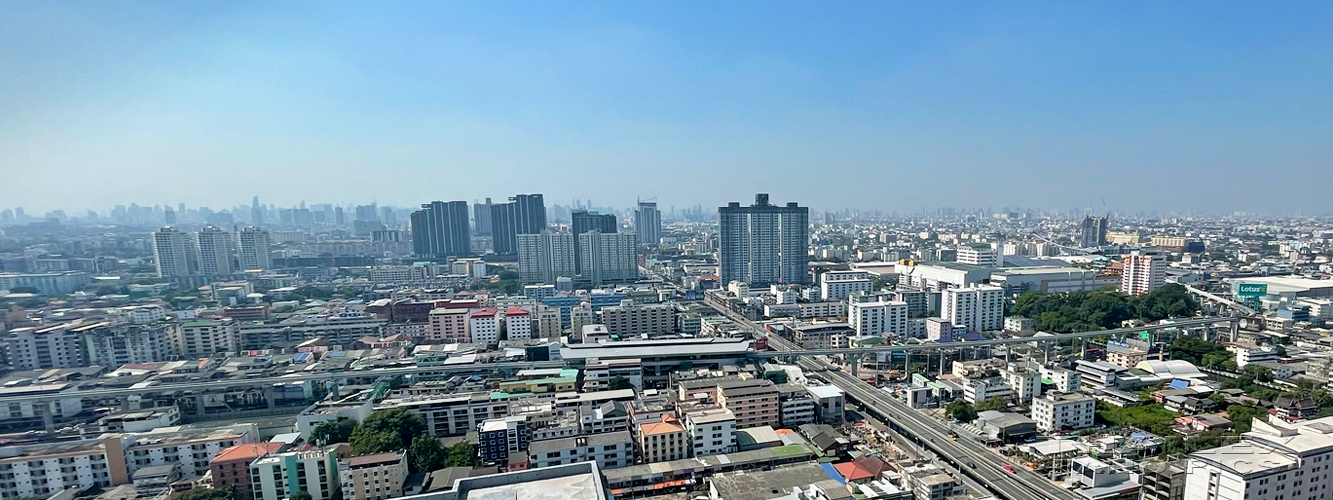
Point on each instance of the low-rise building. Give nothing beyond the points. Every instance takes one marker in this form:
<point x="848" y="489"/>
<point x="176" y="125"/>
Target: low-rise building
<point x="373" y="477"/>
<point x="663" y="441"/>
<point x="609" y="450"/>
<point x="796" y="406"/>
<point x="231" y="466"/>
<point x="1063" y="411"/>
<point x="754" y="402"/>
<point x="498" y="438"/>
<point x="712" y="432"/>
<point x="283" y="475"/>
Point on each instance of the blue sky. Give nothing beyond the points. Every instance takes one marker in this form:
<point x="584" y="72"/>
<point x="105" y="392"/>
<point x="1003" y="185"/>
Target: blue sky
<point x="1172" y="106"/>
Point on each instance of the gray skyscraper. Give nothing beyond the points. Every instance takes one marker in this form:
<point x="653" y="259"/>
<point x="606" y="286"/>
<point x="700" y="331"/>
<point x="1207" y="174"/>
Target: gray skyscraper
<point x="582" y="221"/>
<point x="648" y="223"/>
<point x="764" y="244"/>
<point x="214" y="251"/>
<point x="481" y="213"/>
<point x="174" y="253"/>
<point x="1094" y="231"/>
<point x="524" y="214"/>
<point x="440" y="230"/>
<point x="254" y="249"/>
<point x="608" y="258"/>
<point x="544" y="257"/>
<point x="256" y="212"/>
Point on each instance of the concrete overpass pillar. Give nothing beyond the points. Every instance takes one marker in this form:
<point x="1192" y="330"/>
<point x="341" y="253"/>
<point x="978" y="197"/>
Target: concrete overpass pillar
<point x="1235" y="329"/>
<point x="855" y="361"/>
<point x="1083" y="342"/>
<point x="48" y="420"/>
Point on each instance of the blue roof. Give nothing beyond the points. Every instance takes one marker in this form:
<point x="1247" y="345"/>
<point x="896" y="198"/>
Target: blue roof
<point x="1179" y="384"/>
<point x="832" y="473"/>
<point x="301" y="357"/>
<point x="973" y="336"/>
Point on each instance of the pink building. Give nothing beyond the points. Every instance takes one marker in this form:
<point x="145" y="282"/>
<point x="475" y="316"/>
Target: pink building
<point x="448" y="325"/>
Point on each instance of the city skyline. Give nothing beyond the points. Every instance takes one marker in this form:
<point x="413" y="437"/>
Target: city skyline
<point x="1154" y="108"/>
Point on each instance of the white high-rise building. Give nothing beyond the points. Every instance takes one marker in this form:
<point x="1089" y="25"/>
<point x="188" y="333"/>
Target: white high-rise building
<point x="648" y="223"/>
<point x="546" y="256"/>
<point x="877" y="315"/>
<point x="174" y="253"/>
<point x="1276" y="460"/>
<point x="204" y="337"/>
<point x="254" y="249"/>
<point x="214" y="251"/>
<point x="978" y="308"/>
<point x="1143" y="273"/>
<point x="984" y="257"/>
<point x="609" y="258"/>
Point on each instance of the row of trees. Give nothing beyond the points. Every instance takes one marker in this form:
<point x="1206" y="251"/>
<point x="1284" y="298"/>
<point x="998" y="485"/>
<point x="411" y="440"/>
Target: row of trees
<point x="394" y="430"/>
<point x="1102" y="309"/>
<point x="963" y="412"/>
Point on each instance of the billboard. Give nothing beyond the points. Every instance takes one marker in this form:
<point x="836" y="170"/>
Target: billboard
<point x="1251" y="290"/>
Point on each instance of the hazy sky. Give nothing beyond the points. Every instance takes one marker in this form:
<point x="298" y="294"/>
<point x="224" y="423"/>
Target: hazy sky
<point x="1206" y="106"/>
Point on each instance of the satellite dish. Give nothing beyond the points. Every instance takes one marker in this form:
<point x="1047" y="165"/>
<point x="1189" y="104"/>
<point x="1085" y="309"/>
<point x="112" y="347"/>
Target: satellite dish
<point x="1244" y="323"/>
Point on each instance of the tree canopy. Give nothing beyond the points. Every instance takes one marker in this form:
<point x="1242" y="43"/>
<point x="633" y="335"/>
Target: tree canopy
<point x="334" y="431"/>
<point x="1103" y="309"/>
<point x="387" y="430"/>
<point x="427" y="454"/>
<point x="961" y="411"/>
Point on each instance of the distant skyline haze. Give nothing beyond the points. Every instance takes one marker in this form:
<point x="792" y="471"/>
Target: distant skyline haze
<point x="1205" y="107"/>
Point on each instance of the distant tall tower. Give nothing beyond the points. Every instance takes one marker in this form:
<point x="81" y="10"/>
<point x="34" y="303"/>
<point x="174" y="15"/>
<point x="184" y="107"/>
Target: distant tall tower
<point x="214" y="251"/>
<point x="254" y="249"/>
<point x="481" y="214"/>
<point x="338" y="217"/>
<point x="388" y="217"/>
<point x="256" y="212"/>
<point x="367" y="213"/>
<point x="169" y="216"/>
<point x="1094" y="231"/>
<point x="583" y="221"/>
<point x="648" y="223"/>
<point x="174" y="253"/>
<point x="764" y="244"/>
<point x="440" y="230"/>
<point x="524" y="214"/>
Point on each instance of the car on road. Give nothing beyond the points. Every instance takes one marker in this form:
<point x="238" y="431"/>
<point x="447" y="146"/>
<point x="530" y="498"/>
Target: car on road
<point x="1010" y="469"/>
<point x="972" y="464"/>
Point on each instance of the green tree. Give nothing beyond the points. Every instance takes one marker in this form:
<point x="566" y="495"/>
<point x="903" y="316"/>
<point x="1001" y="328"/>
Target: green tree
<point x="992" y="404"/>
<point x="211" y="494"/>
<point x="401" y="422"/>
<point x="24" y="289"/>
<point x="427" y="454"/>
<point x="461" y="455"/>
<point x="1242" y="416"/>
<point x="334" y="431"/>
<point x="961" y="411"/>
<point x="365" y="441"/>
<point x="302" y="495"/>
<point x="619" y="382"/>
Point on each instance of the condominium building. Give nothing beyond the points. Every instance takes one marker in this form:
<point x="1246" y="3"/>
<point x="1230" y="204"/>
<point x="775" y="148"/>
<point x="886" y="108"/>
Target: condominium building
<point x="837" y="285"/>
<point x="1024" y="381"/>
<point x="980" y="256"/>
<point x="753" y="402"/>
<point x="378" y="476"/>
<point x="440" y="230"/>
<point x="609" y="450"/>
<point x="214" y="251"/>
<point x="632" y="320"/>
<point x="877" y="315"/>
<point x="455" y="414"/>
<point x="107" y="345"/>
<point x="174" y="253"/>
<point x="663" y="441"/>
<point x="545" y="257"/>
<point x="205" y="337"/>
<point x="763" y="244"/>
<point x="283" y="475"/>
<point x="40" y="348"/>
<point x="483" y="325"/>
<point x="608" y="258"/>
<point x="712" y="432"/>
<point x="523" y="214"/>
<point x="231" y="466"/>
<point x="795" y="406"/>
<point x="254" y="249"/>
<point x="499" y="437"/>
<point x="190" y="449"/>
<point x="978" y="308"/>
<point x="1063" y="411"/>
<point x="1275" y="460"/>
<point x="648" y="223"/>
<point x="1142" y="273"/>
<point x="448" y="325"/>
<point x="42" y="470"/>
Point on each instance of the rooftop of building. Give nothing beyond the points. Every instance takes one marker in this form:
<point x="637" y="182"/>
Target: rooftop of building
<point x="656" y="348"/>
<point x="652" y="428"/>
<point x="565" y="443"/>
<point x="388" y="458"/>
<point x="246" y="452"/>
<point x="762" y="485"/>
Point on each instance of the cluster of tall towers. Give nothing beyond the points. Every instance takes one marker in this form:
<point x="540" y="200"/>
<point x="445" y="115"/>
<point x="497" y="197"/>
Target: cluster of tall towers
<point x="211" y="252"/>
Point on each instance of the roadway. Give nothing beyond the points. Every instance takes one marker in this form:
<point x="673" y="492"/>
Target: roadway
<point x="1244" y="310"/>
<point x="972" y="458"/>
